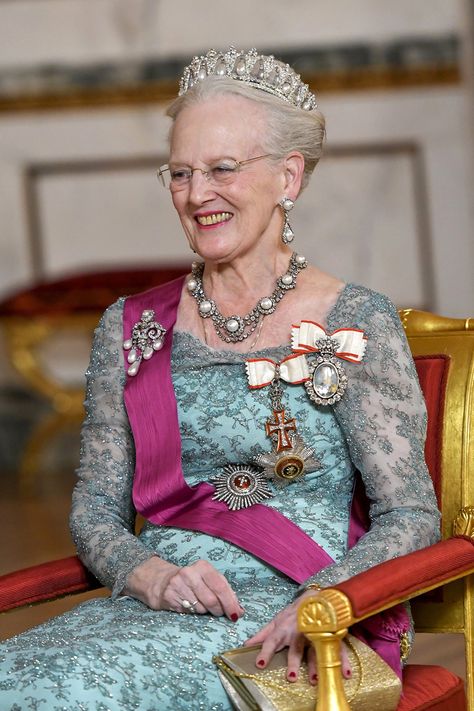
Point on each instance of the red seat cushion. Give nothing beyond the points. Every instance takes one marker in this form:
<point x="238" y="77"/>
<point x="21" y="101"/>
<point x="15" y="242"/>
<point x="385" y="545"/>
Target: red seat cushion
<point x="431" y="687"/>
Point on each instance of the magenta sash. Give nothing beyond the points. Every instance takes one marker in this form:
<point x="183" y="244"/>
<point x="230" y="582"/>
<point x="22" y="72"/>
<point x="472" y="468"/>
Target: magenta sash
<point x="160" y="492"/>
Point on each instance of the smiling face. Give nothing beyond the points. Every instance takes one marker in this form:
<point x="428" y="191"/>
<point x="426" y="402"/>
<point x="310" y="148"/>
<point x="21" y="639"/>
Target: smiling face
<point x="226" y="221"/>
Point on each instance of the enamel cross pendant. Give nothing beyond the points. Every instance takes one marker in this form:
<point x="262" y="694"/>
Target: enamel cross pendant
<point x="280" y="429"/>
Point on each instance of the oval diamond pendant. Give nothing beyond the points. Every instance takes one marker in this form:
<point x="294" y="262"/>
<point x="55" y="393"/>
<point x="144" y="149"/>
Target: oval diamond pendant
<point x="325" y="380"/>
<point x="328" y="381"/>
<point x="240" y="486"/>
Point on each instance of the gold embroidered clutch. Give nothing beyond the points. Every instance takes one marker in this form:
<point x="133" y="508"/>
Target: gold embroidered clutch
<point x="373" y="685"/>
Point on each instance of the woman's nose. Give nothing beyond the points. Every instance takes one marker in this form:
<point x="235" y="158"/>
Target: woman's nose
<point x="199" y="186"/>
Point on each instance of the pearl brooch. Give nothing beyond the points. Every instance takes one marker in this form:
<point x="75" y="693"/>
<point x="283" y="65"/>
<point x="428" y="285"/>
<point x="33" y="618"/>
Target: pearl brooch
<point x="147" y="339"/>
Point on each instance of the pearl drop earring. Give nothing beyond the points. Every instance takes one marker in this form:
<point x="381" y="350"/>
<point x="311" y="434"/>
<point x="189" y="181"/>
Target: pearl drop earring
<point x="287" y="234"/>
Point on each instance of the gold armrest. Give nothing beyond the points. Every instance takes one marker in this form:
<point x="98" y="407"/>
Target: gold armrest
<point x="324" y="620"/>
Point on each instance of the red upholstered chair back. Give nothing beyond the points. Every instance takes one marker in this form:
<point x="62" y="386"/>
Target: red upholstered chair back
<point x="443" y="349"/>
<point x="433" y="376"/>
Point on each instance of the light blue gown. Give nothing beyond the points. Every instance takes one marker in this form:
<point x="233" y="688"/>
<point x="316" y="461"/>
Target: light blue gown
<point x="115" y="654"/>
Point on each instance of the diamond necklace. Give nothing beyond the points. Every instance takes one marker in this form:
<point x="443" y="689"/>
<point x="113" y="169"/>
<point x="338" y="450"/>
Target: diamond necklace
<point x="233" y="329"/>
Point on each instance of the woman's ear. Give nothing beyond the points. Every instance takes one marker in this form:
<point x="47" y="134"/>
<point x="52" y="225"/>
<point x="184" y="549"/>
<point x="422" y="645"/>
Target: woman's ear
<point x="293" y="174"/>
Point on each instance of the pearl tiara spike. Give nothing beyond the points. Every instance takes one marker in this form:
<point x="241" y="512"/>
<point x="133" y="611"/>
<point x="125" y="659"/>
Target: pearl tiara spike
<point x="260" y="71"/>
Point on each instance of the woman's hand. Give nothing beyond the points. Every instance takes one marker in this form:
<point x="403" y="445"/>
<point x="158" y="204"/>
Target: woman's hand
<point x="164" y="586"/>
<point x="282" y="632"/>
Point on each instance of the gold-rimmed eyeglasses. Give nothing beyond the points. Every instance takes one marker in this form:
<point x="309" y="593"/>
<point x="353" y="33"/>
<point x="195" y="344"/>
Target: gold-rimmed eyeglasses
<point x="221" y="172"/>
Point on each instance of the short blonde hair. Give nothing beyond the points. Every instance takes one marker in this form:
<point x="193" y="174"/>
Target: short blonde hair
<point x="290" y="128"/>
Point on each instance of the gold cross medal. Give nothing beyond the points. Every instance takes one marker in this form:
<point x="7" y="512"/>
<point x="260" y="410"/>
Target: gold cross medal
<point x="291" y="457"/>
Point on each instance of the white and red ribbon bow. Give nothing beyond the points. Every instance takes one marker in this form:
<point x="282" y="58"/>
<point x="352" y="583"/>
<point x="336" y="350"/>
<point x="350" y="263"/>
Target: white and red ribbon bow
<point x="261" y="371"/>
<point x="351" y="342"/>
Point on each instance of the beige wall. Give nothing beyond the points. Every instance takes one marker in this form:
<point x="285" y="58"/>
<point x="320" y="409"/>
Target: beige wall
<point x="81" y="30"/>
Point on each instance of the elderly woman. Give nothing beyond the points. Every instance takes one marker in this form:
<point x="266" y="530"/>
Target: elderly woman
<point x="232" y="410"/>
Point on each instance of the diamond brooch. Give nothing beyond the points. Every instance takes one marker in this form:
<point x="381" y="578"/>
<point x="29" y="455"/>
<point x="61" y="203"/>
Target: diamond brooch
<point x="240" y="486"/>
<point x="328" y="380"/>
<point x="147" y="338"/>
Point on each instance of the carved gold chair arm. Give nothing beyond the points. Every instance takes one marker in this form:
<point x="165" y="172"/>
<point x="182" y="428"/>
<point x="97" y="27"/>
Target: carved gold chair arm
<point x="463" y="525"/>
<point x="32" y="348"/>
<point x="325" y="618"/>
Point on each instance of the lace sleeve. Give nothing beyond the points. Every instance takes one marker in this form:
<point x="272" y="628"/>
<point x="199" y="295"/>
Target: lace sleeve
<point x="102" y="516"/>
<point x="383" y="417"/>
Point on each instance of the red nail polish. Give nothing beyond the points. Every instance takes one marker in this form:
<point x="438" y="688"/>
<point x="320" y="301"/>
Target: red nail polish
<point x="261" y="663"/>
<point x="348" y="673"/>
<point x="234" y="617"/>
<point x="314" y="677"/>
<point x="292" y="675"/>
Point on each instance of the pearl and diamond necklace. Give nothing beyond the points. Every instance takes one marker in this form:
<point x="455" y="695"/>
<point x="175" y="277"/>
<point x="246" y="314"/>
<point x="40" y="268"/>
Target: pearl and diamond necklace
<point x="233" y="329"/>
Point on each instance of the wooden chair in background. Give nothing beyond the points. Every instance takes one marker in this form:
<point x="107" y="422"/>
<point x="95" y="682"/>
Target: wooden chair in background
<point x="37" y="320"/>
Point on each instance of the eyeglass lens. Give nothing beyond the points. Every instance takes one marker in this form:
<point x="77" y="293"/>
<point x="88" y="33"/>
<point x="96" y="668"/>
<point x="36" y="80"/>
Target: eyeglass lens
<point x="219" y="173"/>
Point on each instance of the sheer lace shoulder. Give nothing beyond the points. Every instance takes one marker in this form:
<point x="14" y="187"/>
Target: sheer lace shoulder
<point x="102" y="516"/>
<point x="383" y="417"/>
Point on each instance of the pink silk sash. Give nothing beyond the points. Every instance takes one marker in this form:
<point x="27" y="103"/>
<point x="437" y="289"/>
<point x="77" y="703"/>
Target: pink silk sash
<point x="162" y="496"/>
<point x="160" y="492"/>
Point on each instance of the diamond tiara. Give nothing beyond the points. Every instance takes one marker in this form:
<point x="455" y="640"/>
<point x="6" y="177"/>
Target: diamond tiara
<point x="260" y="71"/>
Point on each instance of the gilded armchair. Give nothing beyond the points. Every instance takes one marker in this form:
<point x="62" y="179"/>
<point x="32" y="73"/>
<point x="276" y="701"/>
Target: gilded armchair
<point x="444" y="355"/>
